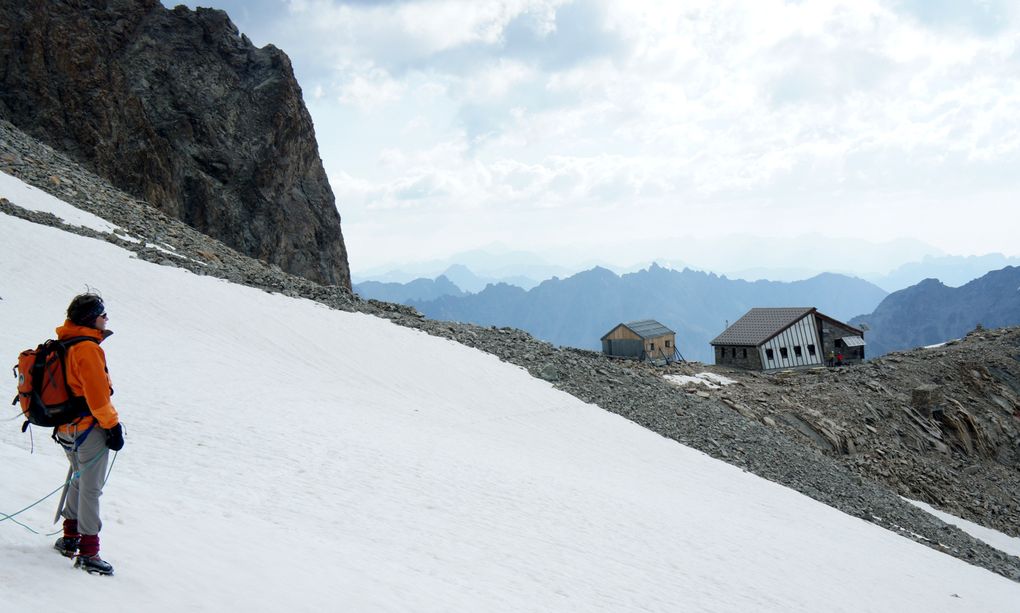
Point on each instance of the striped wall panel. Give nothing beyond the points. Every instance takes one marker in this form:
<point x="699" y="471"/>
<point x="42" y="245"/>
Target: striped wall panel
<point x="801" y="334"/>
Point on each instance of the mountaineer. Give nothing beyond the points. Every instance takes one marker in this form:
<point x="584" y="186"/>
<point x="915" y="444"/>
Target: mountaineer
<point x="87" y="441"/>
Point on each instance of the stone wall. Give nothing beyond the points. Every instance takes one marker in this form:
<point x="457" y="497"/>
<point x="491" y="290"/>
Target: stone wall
<point x="831" y="331"/>
<point x="746" y="357"/>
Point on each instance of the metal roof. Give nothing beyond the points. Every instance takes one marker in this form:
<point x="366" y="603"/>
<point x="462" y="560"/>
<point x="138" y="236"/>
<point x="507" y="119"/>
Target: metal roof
<point x="853" y="341"/>
<point x="645" y="328"/>
<point x="760" y="324"/>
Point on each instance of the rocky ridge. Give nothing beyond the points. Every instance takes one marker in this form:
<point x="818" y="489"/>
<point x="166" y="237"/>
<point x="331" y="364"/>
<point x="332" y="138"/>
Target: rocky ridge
<point x="728" y="423"/>
<point x="939" y="424"/>
<point x="219" y="137"/>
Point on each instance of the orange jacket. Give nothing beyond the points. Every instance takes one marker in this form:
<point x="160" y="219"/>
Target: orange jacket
<point x="88" y="377"/>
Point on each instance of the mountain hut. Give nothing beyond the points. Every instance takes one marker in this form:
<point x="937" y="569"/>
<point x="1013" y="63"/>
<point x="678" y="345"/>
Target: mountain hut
<point x="774" y="338"/>
<point x="644" y="340"/>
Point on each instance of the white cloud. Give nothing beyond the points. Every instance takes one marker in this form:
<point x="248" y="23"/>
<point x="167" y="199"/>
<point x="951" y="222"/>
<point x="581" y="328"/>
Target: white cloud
<point x="391" y="34"/>
<point x="497" y="80"/>
<point x="493" y="115"/>
<point x="369" y="88"/>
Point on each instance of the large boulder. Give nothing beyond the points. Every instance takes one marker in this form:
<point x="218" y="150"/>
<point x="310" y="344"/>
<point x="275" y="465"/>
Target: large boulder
<point x="179" y="109"/>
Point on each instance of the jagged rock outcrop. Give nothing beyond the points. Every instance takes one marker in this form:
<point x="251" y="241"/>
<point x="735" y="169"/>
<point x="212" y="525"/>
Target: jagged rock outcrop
<point x="178" y="109"/>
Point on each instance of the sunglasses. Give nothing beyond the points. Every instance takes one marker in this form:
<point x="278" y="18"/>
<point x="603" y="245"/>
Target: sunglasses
<point x="105" y="316"/>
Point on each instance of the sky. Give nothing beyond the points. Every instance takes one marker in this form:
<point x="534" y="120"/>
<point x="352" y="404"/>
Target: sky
<point x="255" y="478"/>
<point x="616" y="131"/>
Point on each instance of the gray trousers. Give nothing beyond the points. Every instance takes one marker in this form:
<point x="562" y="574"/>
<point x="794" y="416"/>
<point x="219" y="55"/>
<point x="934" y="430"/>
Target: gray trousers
<point x="90" y="460"/>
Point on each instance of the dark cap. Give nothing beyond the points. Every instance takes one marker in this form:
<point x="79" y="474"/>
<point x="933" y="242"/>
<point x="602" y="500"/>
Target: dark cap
<point x="85" y="308"/>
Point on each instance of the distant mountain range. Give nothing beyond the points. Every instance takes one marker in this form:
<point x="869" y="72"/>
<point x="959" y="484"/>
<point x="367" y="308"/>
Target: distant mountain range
<point x="462" y="278"/>
<point x="578" y="310"/>
<point x="471" y="271"/>
<point x="952" y="270"/>
<point x="403" y="293"/>
<point x="931" y="312"/>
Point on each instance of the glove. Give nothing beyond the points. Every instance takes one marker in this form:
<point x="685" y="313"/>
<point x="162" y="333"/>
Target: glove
<point x="115" y="438"/>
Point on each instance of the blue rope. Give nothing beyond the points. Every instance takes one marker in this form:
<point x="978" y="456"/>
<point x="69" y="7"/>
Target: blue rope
<point x="74" y="476"/>
<point x="13" y="515"/>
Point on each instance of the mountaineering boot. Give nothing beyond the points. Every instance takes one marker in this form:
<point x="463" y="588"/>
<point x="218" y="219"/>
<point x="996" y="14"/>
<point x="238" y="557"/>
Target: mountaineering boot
<point x="67" y="545"/>
<point x="88" y="556"/>
<point x="93" y="565"/>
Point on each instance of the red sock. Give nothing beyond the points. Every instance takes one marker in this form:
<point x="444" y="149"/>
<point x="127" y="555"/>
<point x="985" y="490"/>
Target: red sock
<point x="71" y="528"/>
<point x="89" y="545"/>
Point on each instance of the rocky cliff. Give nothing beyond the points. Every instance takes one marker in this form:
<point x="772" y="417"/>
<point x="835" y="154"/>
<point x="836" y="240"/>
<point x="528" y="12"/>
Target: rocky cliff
<point x="178" y="109"/>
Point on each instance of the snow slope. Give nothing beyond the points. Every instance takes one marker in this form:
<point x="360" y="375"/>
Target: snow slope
<point x="285" y="457"/>
<point x="34" y="199"/>
<point x="1002" y="542"/>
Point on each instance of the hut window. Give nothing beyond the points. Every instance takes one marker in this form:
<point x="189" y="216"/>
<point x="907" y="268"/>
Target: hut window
<point x="811" y="349"/>
<point x="769" y="354"/>
<point x="783" y="352"/>
<point x="667" y="344"/>
<point x="743" y="353"/>
<point x="651" y="346"/>
<point x="839" y="342"/>
<point x="796" y="351"/>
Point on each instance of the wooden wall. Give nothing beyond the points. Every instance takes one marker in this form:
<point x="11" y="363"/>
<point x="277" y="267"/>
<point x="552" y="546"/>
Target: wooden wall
<point x="622" y="333"/>
<point x="624" y="343"/>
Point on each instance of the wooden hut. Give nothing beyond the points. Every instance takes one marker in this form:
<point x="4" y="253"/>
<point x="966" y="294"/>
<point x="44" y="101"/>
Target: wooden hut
<point x="643" y="340"/>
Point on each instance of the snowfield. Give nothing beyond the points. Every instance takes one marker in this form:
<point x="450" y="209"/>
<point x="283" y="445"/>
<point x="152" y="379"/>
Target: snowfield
<point x="285" y="457"/>
<point x="708" y="379"/>
<point x="1002" y="542"/>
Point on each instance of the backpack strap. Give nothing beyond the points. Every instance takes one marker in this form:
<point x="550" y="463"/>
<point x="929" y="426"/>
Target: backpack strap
<point x="61" y="348"/>
<point x="74" y="340"/>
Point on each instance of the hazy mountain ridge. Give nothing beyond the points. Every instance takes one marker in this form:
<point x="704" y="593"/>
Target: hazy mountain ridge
<point x="931" y="312"/>
<point x="951" y="270"/>
<point x="475" y="270"/>
<point x="419" y="289"/>
<point x="578" y="310"/>
<point x="471" y="270"/>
